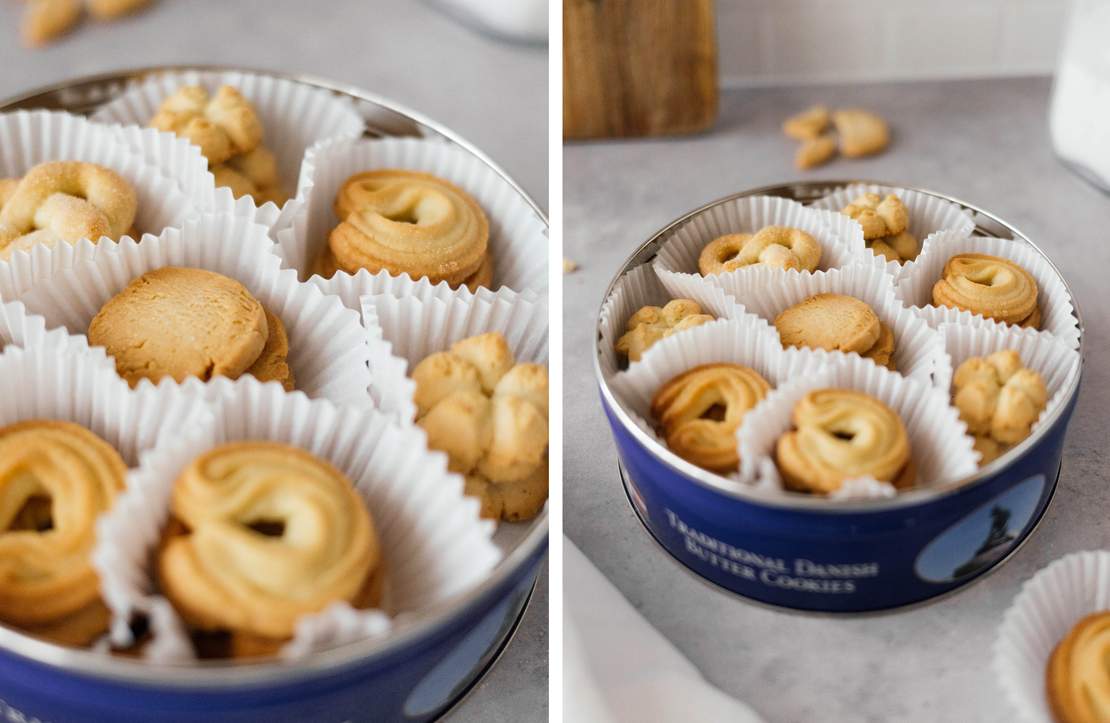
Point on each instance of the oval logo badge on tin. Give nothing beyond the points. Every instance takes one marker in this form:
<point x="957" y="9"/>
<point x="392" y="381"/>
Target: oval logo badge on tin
<point x="982" y="538"/>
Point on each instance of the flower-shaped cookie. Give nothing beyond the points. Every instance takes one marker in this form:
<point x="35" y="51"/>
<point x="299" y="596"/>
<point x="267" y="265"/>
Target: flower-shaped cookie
<point x="999" y="400"/>
<point x="652" y="323"/>
<point x="885" y="222"/>
<point x="223" y="126"/>
<point x="490" y="416"/>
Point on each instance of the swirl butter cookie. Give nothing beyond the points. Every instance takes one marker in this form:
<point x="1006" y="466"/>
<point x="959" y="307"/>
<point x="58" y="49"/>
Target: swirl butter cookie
<point x="836" y="322"/>
<point x="1077" y="680"/>
<point x="701" y="409"/>
<point x="181" y="322"/>
<point x="840" y="434"/>
<point x="991" y="286"/>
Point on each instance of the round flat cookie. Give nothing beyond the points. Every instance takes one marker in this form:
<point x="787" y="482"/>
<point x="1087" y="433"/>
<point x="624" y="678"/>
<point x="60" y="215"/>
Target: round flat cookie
<point x="272" y="364"/>
<point x="181" y="322"/>
<point x="830" y="321"/>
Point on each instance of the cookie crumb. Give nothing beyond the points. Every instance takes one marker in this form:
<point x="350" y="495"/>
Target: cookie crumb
<point x="569" y="265"/>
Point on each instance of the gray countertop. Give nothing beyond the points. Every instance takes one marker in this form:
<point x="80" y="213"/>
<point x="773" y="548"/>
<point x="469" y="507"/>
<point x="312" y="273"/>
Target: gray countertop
<point x="983" y="141"/>
<point x="492" y="93"/>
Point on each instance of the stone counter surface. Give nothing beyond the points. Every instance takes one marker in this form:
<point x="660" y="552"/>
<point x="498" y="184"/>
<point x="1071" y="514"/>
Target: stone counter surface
<point x="401" y="49"/>
<point x="983" y="141"/>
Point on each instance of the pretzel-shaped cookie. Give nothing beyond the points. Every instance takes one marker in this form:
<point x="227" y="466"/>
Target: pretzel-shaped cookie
<point x="1078" y="678"/>
<point x="224" y="125"/>
<point x="782" y="247"/>
<point x="56" y="479"/>
<point x="66" y="201"/>
<point x="839" y="435"/>
<point x="994" y="287"/>
<point x="701" y="409"/>
<point x="652" y="323"/>
<point x="409" y="222"/>
<point x="490" y="416"/>
<point x="262" y="533"/>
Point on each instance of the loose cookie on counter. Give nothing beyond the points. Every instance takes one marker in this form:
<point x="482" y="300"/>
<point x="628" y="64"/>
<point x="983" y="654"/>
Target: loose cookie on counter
<point x="652" y="323"/>
<point x="489" y="414"/>
<point x="701" y="409"/>
<point x="840" y="434"/>
<point x="999" y="400"/>
<point x="836" y="322"/>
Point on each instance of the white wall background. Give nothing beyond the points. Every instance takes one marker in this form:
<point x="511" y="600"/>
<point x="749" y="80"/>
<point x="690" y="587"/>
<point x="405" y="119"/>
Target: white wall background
<point x="777" y="41"/>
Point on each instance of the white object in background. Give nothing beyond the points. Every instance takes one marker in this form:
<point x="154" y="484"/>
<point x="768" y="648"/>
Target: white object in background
<point x="616" y="667"/>
<point x="519" y="20"/>
<point x="1081" y="96"/>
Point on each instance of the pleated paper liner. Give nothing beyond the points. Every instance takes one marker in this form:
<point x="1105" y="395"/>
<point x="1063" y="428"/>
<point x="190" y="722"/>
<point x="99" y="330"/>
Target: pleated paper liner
<point x="294" y="116"/>
<point x="641" y="287"/>
<point x="1045" y="354"/>
<point x="918" y="349"/>
<point x="518" y="236"/>
<point x="18" y="328"/>
<point x="677" y="261"/>
<point x="28" y="138"/>
<point x="928" y="215"/>
<point x="1043" y="613"/>
<point x="404" y="330"/>
<point x="915" y="287"/>
<point x="434" y="545"/>
<point x="328" y="352"/>
<point x="939" y="446"/>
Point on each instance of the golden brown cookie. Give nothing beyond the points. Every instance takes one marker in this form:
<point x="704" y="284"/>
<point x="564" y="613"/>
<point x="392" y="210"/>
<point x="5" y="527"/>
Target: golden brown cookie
<point x="879" y="216"/>
<point x="900" y="247"/>
<point x="409" y="222"/>
<point x="882" y="353"/>
<point x="701" y="409"/>
<point x="831" y="322"/>
<point x="994" y="287"/>
<point x="109" y="9"/>
<point x="840" y="434"/>
<point x="781" y="247"/>
<point x="489" y="415"/>
<point x="652" y="323"/>
<point x="260" y="534"/>
<point x="56" y="479"/>
<point x="815" y="152"/>
<point x="1077" y="682"/>
<point x="808" y="124"/>
<point x="272" y="364"/>
<point x="180" y="322"/>
<point x="861" y="132"/>
<point x="45" y="20"/>
<point x="999" y="399"/>
<point x="223" y="125"/>
<point x="254" y="174"/>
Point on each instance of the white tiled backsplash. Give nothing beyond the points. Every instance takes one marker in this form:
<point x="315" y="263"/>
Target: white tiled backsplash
<point x="774" y="41"/>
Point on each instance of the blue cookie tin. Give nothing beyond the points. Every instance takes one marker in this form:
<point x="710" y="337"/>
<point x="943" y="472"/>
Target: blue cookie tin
<point x="417" y="674"/>
<point x="837" y="556"/>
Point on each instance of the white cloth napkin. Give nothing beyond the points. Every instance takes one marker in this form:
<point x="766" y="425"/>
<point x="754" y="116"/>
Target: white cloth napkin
<point x="616" y="667"/>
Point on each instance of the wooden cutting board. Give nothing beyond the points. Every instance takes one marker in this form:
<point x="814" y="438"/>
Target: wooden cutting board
<point x="638" y="67"/>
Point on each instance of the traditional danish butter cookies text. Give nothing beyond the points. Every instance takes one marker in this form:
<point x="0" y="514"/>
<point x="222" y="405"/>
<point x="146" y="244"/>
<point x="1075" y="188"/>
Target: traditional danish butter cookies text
<point x="999" y="400"/>
<point x="840" y="434"/>
<point x="64" y="201"/>
<point x="184" y="322"/>
<point x="885" y="222"/>
<point x="836" y="322"/>
<point x="652" y="323"/>
<point x="991" y="286"/>
<point x="489" y="414"/>
<point x="56" y="479"/>
<point x="406" y="222"/>
<point x="701" y="409"/>
<point x="233" y="559"/>
<point x="229" y="134"/>
<point x="781" y="247"/>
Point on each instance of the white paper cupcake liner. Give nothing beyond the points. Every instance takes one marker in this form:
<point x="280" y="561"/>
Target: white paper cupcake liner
<point x="518" y="236"/>
<point x="403" y="331"/>
<point x="1049" y="605"/>
<point x="915" y="287"/>
<point x="1048" y="356"/>
<point x="677" y="261"/>
<point x="641" y="287"/>
<point x="434" y="546"/>
<point x="28" y="138"/>
<point x="19" y="328"/>
<point x="327" y="345"/>
<point x="918" y="349"/>
<point x="294" y="116"/>
<point x="940" y="447"/>
<point x="928" y="215"/>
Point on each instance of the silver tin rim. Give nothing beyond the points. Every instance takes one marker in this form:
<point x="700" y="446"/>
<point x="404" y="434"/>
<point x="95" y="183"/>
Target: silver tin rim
<point x="223" y="675"/>
<point x="811" y="190"/>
